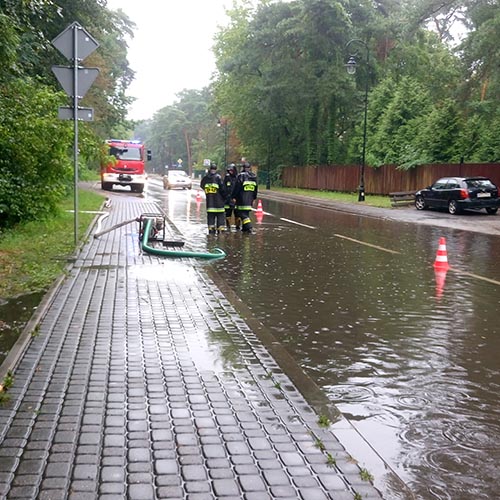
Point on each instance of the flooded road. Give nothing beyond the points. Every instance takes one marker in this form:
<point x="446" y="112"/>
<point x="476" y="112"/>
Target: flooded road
<point x="411" y="358"/>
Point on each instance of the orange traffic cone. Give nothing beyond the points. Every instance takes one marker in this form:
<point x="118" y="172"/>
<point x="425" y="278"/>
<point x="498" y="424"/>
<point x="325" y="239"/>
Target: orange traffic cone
<point x="259" y="207"/>
<point x="198" y="196"/>
<point x="441" y="261"/>
<point x="259" y="213"/>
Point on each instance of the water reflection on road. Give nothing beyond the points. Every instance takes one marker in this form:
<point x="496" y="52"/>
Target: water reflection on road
<point x="410" y="358"/>
<point x="14" y="314"/>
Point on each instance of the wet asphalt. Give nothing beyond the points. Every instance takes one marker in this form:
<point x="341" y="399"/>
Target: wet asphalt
<point x="470" y="220"/>
<point x="137" y="378"/>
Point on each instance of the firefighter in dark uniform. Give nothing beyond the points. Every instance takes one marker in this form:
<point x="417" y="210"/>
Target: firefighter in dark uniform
<point x="229" y="182"/>
<point x="215" y="197"/>
<point x="244" y="193"/>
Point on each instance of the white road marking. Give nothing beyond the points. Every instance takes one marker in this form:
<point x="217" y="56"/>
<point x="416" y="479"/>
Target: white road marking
<point x="366" y="244"/>
<point x="477" y="276"/>
<point x="298" y="223"/>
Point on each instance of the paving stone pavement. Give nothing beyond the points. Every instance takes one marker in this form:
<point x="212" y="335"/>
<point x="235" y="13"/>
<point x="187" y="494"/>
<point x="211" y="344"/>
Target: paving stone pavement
<point x="142" y="382"/>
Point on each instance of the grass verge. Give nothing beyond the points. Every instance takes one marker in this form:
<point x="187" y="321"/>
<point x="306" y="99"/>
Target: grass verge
<point x="34" y="254"/>
<point x="372" y="200"/>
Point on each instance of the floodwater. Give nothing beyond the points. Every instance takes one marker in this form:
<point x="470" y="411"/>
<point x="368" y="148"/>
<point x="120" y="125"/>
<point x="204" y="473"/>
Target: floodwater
<point x="411" y="357"/>
<point x="14" y="314"/>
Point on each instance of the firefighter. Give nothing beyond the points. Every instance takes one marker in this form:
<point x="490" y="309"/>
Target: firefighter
<point x="215" y="196"/>
<point x="229" y="182"/>
<point x="244" y="193"/>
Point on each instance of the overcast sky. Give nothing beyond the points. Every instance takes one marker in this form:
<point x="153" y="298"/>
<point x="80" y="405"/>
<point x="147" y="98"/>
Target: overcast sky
<point x="171" y="50"/>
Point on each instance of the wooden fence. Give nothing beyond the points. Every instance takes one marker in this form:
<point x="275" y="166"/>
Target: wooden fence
<point x="382" y="180"/>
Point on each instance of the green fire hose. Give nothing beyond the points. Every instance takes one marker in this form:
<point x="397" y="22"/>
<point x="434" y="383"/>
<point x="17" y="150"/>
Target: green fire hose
<point x="217" y="253"/>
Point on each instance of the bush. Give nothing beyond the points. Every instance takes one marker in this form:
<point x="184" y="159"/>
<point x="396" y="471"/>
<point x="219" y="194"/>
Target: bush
<point x="35" y="165"/>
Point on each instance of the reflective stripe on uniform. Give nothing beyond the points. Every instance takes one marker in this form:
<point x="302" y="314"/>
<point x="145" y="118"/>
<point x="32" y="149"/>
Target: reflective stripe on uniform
<point x="211" y="188"/>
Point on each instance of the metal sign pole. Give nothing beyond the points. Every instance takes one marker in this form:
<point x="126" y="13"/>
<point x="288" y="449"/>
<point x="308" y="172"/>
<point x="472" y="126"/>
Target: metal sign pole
<point x="75" y="127"/>
<point x="75" y="81"/>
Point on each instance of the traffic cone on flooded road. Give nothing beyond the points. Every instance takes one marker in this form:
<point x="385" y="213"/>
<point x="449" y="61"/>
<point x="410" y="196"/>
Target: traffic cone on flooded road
<point x="198" y="196"/>
<point x="259" y="213"/>
<point x="441" y="261"/>
<point x="259" y="207"/>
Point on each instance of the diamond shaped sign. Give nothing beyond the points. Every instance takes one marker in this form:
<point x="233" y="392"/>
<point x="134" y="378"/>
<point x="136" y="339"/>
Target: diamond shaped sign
<point x="72" y="47"/>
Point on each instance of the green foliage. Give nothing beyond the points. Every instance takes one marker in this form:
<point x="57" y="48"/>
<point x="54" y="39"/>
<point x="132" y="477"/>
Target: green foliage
<point x="330" y="460"/>
<point x="282" y="83"/>
<point x="34" y="253"/>
<point x="8" y="43"/>
<point x="439" y="134"/>
<point x="279" y="67"/>
<point x="480" y="136"/>
<point x="480" y="86"/>
<point x="26" y="32"/>
<point x="186" y="130"/>
<point x="365" y="475"/>
<point x="393" y="126"/>
<point x="324" y="421"/>
<point x="34" y="162"/>
<point x="8" y="381"/>
<point x="35" y="146"/>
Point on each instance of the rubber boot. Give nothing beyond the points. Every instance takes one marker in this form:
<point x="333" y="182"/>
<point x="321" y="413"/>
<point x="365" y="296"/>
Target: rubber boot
<point x="247" y="227"/>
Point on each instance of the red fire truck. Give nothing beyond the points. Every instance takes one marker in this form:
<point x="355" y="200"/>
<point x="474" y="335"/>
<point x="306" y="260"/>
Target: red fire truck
<point x="125" y="165"/>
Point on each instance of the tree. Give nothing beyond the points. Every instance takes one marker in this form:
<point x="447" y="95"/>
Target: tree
<point x="34" y="144"/>
<point x="34" y="164"/>
<point x="279" y="67"/>
<point x="393" y="126"/>
<point x="479" y="93"/>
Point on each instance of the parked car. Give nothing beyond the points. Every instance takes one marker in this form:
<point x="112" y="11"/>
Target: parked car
<point x="177" y="179"/>
<point x="456" y="194"/>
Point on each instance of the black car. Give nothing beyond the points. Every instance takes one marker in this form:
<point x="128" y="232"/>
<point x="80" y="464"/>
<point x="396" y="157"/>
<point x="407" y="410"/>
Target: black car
<point x="456" y="194"/>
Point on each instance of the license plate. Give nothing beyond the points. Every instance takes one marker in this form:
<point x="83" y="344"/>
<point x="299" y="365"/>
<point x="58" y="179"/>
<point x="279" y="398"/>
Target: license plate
<point x="484" y="195"/>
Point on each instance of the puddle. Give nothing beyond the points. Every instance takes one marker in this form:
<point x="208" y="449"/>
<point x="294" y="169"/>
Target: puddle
<point x="14" y="314"/>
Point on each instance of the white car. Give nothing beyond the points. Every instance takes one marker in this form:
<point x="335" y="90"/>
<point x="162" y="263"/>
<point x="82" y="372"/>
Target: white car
<point x="177" y="179"/>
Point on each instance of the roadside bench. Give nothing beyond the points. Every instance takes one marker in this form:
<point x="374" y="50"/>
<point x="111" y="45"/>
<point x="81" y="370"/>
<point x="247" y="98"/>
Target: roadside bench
<point x="402" y="198"/>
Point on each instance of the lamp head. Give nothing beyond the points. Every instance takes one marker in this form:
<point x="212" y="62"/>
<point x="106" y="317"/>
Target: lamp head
<point x="351" y="65"/>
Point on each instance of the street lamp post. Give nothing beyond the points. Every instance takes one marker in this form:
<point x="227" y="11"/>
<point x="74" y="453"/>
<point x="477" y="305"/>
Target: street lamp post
<point x="223" y="123"/>
<point x="351" y="69"/>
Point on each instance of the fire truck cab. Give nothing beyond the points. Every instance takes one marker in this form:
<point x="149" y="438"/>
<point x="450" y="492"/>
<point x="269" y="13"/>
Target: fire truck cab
<point x="125" y="165"/>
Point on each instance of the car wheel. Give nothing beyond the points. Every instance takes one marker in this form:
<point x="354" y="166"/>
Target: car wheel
<point x="453" y="207"/>
<point x="491" y="210"/>
<point x="420" y="203"/>
<point x="106" y="186"/>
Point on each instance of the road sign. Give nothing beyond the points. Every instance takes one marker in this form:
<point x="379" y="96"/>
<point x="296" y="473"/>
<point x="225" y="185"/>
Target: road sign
<point x="75" y="43"/>
<point x="65" y="42"/>
<point x="85" y="76"/>
<point x="84" y="114"/>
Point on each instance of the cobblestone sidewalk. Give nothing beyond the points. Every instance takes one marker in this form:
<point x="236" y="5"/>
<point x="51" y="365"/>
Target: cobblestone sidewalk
<point x="142" y="382"/>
